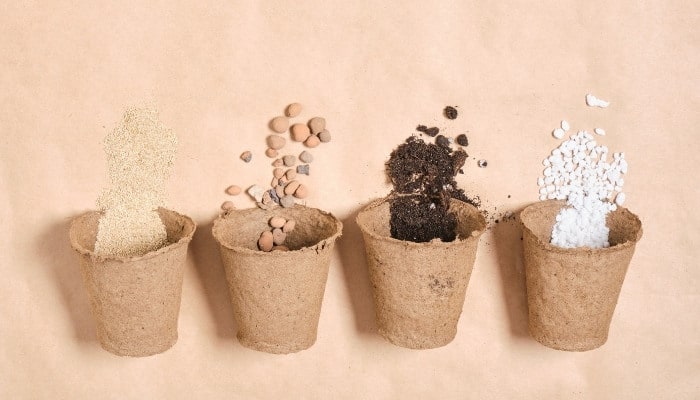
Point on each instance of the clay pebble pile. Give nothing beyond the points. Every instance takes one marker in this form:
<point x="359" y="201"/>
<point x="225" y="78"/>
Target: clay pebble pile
<point x="273" y="239"/>
<point x="140" y="152"/>
<point x="285" y="187"/>
<point x="579" y="171"/>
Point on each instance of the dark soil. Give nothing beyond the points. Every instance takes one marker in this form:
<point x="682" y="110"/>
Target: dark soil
<point x="450" y="112"/>
<point x="423" y="178"/>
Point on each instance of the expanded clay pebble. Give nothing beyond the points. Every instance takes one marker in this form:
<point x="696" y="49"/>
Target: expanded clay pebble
<point x="291" y="187"/>
<point x="317" y="124"/>
<point x="462" y="140"/>
<point x="324" y="136"/>
<point x="301" y="192"/>
<point x="289" y="160"/>
<point x="289" y="226"/>
<point x="278" y="163"/>
<point x="306" y="157"/>
<point x="271" y="153"/>
<point x="303" y="169"/>
<point x="279" y="124"/>
<point x="279" y="190"/>
<point x="274" y="182"/>
<point x="246" y="156"/>
<point x="278" y="172"/>
<point x="287" y="201"/>
<point x="227" y="205"/>
<point x="293" y="110"/>
<point x="290" y="174"/>
<point x="299" y="132"/>
<point x="265" y="242"/>
<point x="273" y="195"/>
<point x="312" y="141"/>
<point x="275" y="142"/>
<point x="278" y="236"/>
<point x="280" y="248"/>
<point x="233" y="190"/>
<point x="450" y="112"/>
<point x="277" y="222"/>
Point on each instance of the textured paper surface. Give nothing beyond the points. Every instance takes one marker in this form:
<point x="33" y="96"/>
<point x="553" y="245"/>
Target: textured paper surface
<point x="219" y="71"/>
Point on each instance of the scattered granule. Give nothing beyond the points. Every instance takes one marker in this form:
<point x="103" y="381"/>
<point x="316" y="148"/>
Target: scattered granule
<point x="462" y="140"/>
<point x="593" y="101"/>
<point x="246" y="156"/>
<point x="140" y="152"/>
<point x="450" y="112"/>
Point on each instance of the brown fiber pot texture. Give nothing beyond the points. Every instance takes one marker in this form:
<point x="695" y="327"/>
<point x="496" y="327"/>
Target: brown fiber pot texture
<point x="419" y="288"/>
<point x="135" y="300"/>
<point x="572" y="293"/>
<point x="277" y="295"/>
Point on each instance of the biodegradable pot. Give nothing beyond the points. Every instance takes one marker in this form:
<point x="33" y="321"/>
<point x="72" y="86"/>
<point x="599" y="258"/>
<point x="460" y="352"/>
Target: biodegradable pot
<point x="572" y="293"/>
<point x="419" y="288"/>
<point x="135" y="300"/>
<point x="277" y="295"/>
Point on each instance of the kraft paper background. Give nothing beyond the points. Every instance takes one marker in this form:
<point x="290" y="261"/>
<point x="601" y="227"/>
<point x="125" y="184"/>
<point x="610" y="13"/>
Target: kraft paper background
<point x="218" y="71"/>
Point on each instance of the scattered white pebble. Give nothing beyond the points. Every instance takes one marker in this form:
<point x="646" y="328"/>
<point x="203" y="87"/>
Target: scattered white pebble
<point x="565" y="125"/>
<point x="620" y="199"/>
<point x="593" y="101"/>
<point x="599" y="131"/>
<point x="558" y="133"/>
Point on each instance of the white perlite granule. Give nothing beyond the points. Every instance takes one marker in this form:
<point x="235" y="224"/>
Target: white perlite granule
<point x="140" y="152"/>
<point x="579" y="171"/>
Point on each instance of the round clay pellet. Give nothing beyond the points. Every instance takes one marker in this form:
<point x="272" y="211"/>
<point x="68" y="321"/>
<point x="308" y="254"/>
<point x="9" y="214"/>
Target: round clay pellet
<point x="317" y="124"/>
<point x="265" y="242"/>
<point x="278" y="172"/>
<point x="289" y="160"/>
<point x="227" y="205"/>
<point x="234" y="190"/>
<point x="275" y="142"/>
<point x="279" y="190"/>
<point x="306" y="157"/>
<point x="287" y="201"/>
<point x="272" y="153"/>
<point x="283" y="180"/>
<point x="291" y="174"/>
<point x="279" y="124"/>
<point x="278" y="236"/>
<point x="280" y="248"/>
<point x="278" y="163"/>
<point x="246" y="156"/>
<point x="267" y="199"/>
<point x="301" y="192"/>
<point x="324" y="136"/>
<point x="299" y="132"/>
<point x="274" y="182"/>
<point x="312" y="141"/>
<point x="289" y="226"/>
<point x="293" y="110"/>
<point x="291" y="187"/>
<point x="277" y="222"/>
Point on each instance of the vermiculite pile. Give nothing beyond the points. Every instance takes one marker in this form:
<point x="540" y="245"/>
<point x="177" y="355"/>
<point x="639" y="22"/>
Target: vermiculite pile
<point x="140" y="152"/>
<point x="579" y="171"/>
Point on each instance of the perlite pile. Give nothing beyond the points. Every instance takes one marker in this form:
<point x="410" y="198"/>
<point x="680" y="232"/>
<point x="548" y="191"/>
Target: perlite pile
<point x="140" y="152"/>
<point x="580" y="172"/>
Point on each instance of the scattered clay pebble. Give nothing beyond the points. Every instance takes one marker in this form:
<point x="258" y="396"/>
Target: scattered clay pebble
<point x="278" y="236"/>
<point x="274" y="182"/>
<point x="283" y="180"/>
<point x="291" y="187"/>
<point x="558" y="133"/>
<point x="291" y="174"/>
<point x="482" y="163"/>
<point x="301" y="192"/>
<point x="272" y="153"/>
<point x="279" y="124"/>
<point x="233" y="190"/>
<point x="265" y="242"/>
<point x="246" y="156"/>
<point x="275" y="142"/>
<point x="278" y="163"/>
<point x="277" y="222"/>
<point x="306" y="157"/>
<point x="289" y="160"/>
<point x="267" y="199"/>
<point x="317" y="124"/>
<point x="440" y="140"/>
<point x="462" y="140"/>
<point x="279" y="190"/>
<point x="289" y="226"/>
<point x="300" y="132"/>
<point x="450" y="112"/>
<point x="303" y="169"/>
<point x="227" y="205"/>
<point x="312" y="141"/>
<point x="280" y="248"/>
<point x="274" y="196"/>
<point x="278" y="172"/>
<point x="293" y="110"/>
<point x="287" y="201"/>
<point x="324" y="136"/>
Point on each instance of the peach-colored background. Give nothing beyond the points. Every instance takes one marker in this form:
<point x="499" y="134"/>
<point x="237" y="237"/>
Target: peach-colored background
<point x="219" y="72"/>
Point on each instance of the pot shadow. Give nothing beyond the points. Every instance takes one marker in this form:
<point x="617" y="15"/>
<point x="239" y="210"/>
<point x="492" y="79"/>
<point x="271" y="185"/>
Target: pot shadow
<point x="509" y="253"/>
<point x="54" y="248"/>
<point x="210" y="270"/>
<point x="354" y="264"/>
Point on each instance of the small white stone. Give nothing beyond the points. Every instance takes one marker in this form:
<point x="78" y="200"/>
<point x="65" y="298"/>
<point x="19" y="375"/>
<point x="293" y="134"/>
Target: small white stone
<point x="599" y="131"/>
<point x="558" y="133"/>
<point x="593" y="101"/>
<point x="256" y="192"/>
<point x="620" y="198"/>
<point x="540" y="181"/>
<point x="565" y="125"/>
